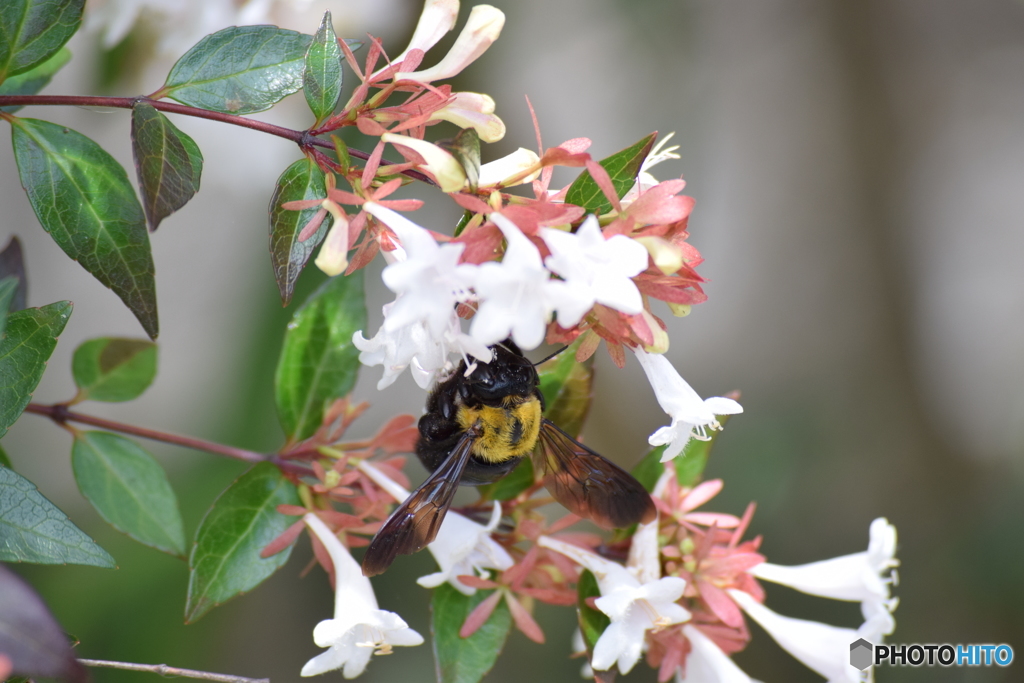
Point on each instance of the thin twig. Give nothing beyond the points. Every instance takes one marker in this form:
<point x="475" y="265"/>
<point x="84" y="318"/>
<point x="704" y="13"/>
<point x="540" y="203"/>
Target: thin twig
<point x="164" y="670"/>
<point x="303" y="138"/>
<point x="60" y="414"/>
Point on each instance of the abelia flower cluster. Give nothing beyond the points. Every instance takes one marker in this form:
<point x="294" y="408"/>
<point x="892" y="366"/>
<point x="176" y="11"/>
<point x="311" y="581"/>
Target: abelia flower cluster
<point x="538" y="268"/>
<point x="681" y="598"/>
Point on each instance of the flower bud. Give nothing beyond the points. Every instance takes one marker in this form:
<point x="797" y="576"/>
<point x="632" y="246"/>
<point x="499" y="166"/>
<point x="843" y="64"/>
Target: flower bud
<point x="443" y="166"/>
<point x="509" y="166"/>
<point x="333" y="256"/>
<point x="667" y="256"/>
<point x="482" y="28"/>
<point x="437" y="18"/>
<point x="472" y="110"/>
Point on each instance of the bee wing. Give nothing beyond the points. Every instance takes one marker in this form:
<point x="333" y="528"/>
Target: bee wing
<point x="588" y="484"/>
<point x="415" y="522"/>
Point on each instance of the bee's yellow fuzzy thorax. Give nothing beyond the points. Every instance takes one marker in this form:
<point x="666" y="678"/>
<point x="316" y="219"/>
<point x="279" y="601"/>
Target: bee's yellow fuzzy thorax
<point x="508" y="432"/>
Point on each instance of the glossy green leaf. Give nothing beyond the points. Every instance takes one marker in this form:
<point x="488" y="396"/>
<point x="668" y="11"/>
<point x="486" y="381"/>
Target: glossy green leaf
<point x="689" y="464"/>
<point x="30" y="339"/>
<point x="465" y="660"/>
<point x="12" y="264"/>
<point x="84" y="199"/>
<point x="35" y="79"/>
<point x="511" y="485"/>
<point x="129" y="489"/>
<point x="5" y="460"/>
<point x="568" y="388"/>
<point x="321" y="77"/>
<point x="32" y="31"/>
<point x="30" y="637"/>
<point x="319" y="362"/>
<point x="239" y="69"/>
<point x="167" y="161"/>
<point x="300" y="181"/>
<point x="8" y="288"/>
<point x="225" y="559"/>
<point x="34" y="530"/>
<point x="622" y="167"/>
<point x="592" y="622"/>
<point x="112" y="369"/>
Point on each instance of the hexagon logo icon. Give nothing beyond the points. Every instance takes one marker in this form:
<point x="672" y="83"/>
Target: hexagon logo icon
<point x="861" y="652"/>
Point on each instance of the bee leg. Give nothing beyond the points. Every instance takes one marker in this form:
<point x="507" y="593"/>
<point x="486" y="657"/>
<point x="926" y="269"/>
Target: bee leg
<point x="436" y="427"/>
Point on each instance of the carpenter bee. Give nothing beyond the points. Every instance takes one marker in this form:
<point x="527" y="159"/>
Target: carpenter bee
<point x="478" y="426"/>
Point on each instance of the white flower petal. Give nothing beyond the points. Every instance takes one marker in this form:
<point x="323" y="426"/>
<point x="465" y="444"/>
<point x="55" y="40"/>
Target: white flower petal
<point x="358" y="627"/>
<point x="691" y="415"/>
<point x="707" y="663"/>
<point x="822" y="648"/>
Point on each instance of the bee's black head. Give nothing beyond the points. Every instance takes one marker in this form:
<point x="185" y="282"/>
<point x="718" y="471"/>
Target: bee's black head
<point x="508" y="374"/>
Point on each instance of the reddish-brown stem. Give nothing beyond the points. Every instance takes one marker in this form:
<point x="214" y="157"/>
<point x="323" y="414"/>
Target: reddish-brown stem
<point x="60" y="414"/>
<point x="303" y="138"/>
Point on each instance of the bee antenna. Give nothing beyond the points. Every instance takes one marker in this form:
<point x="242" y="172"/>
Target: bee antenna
<point x="545" y="360"/>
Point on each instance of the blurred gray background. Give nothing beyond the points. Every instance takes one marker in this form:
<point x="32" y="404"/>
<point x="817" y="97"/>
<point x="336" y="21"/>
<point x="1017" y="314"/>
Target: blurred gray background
<point x="858" y="169"/>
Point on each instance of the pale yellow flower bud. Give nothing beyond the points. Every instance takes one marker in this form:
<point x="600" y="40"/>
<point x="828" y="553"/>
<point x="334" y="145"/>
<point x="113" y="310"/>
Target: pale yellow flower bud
<point x="482" y="28"/>
<point x="443" y="166"/>
<point x="473" y="110"/>
<point x="666" y="256"/>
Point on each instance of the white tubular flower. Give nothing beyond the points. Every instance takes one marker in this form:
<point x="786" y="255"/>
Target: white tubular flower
<point x="509" y="166"/>
<point x="691" y="415"/>
<point x="462" y="547"/>
<point x="633" y="607"/>
<point x="594" y="270"/>
<point x="472" y="110"/>
<point x="706" y="663"/>
<point x="420" y="326"/>
<point x="513" y="293"/>
<point x="823" y="648"/>
<point x="862" y="577"/>
<point x="359" y="628"/>
<point x="437" y="18"/>
<point x="482" y="28"/>
<point x="430" y="281"/>
<point x="447" y="171"/>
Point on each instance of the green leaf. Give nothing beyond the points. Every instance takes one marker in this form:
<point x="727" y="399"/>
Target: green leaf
<point x="34" y="530"/>
<point x="129" y="489"/>
<point x="318" y="362"/>
<point x="300" y="181"/>
<point x="112" y="369"/>
<point x="622" y="167"/>
<point x="31" y="31"/>
<point x="592" y="622"/>
<point x="83" y="198"/>
<point x="567" y="387"/>
<point x="240" y="69"/>
<point x="465" y="660"/>
<point x="12" y="264"/>
<point x="167" y="161"/>
<point x="689" y="464"/>
<point x="8" y="288"/>
<point x="225" y="559"/>
<point x="35" y="79"/>
<point x="321" y="77"/>
<point x="31" y="337"/>
<point x="5" y="460"/>
<point x="511" y="485"/>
